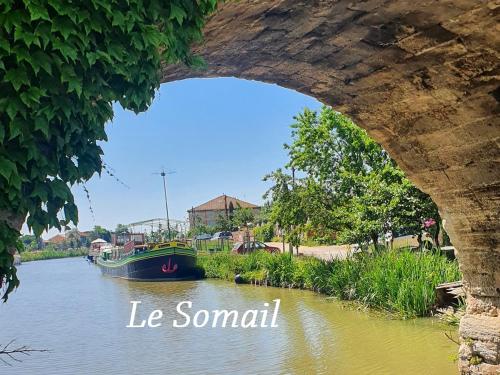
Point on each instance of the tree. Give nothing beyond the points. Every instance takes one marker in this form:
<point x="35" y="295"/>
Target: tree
<point x="264" y="232"/>
<point x="62" y="66"/>
<point x="242" y="217"/>
<point x="287" y="209"/>
<point x="223" y="223"/>
<point x="31" y="242"/>
<point x="100" y="232"/>
<point x="121" y="229"/>
<point x="200" y="228"/>
<point x="351" y="185"/>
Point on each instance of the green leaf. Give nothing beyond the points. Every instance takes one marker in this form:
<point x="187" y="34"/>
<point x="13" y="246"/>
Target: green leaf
<point x="42" y="31"/>
<point x="71" y="212"/>
<point x="15" y="181"/>
<point x="42" y="60"/>
<point x="22" y="54"/>
<point x="74" y="84"/>
<point x="64" y="26"/>
<point x="177" y="13"/>
<point x="60" y="189"/>
<point x="116" y="51"/>
<point x="14" y="107"/>
<point x="4" y="44"/>
<point x="37" y="11"/>
<point x="27" y="37"/>
<point x="104" y="4"/>
<point x="28" y="99"/>
<point x="91" y="58"/>
<point x="118" y="20"/>
<point x="15" y="127"/>
<point x="67" y="51"/>
<point x="67" y="73"/>
<point x="152" y="36"/>
<point x="17" y="77"/>
<point x="42" y="124"/>
<point x="7" y="168"/>
<point x="15" y="19"/>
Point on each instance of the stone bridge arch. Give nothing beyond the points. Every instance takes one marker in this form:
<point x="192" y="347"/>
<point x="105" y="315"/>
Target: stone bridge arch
<point x="422" y="77"/>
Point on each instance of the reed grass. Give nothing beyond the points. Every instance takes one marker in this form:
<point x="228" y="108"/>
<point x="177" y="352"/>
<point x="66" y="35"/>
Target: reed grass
<point x="399" y="281"/>
<point x="28" y="256"/>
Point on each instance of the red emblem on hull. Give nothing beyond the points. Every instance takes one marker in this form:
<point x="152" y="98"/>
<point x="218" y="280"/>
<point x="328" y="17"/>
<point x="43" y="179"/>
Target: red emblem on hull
<point x="169" y="268"/>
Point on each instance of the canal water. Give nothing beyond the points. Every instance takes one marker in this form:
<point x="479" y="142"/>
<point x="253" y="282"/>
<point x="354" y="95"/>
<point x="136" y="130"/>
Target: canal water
<point x="66" y="306"/>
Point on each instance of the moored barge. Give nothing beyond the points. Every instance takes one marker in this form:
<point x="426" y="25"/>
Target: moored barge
<point x="165" y="261"/>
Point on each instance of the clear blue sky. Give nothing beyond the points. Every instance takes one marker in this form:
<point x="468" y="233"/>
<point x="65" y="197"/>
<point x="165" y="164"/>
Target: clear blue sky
<point x="221" y="136"/>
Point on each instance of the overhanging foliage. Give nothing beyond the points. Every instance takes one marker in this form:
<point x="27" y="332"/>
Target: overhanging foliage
<point x="62" y="66"/>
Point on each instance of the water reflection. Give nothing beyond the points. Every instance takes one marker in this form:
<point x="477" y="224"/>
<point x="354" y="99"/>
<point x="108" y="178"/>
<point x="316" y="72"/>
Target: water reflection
<point x="67" y="306"/>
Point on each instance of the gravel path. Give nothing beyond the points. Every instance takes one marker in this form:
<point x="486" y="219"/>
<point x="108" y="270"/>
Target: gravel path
<point x="339" y="251"/>
<point x="322" y="252"/>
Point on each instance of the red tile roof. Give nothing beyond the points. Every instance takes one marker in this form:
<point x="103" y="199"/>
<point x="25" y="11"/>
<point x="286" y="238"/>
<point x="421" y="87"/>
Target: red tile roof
<point x="57" y="239"/>
<point x="221" y="202"/>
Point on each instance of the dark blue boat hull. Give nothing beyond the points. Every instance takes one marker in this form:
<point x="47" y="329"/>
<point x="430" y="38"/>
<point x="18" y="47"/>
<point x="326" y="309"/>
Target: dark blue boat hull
<point x="154" y="268"/>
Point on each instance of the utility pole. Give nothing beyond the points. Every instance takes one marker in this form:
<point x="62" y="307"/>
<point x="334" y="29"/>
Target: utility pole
<point x="163" y="174"/>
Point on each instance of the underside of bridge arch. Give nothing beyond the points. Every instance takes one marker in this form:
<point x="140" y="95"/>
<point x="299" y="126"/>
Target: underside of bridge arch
<point x="422" y="77"/>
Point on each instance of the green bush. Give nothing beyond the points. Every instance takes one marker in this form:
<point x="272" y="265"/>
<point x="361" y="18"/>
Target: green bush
<point x="400" y="282"/>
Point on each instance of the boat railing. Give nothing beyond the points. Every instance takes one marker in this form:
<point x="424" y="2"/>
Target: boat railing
<point x="161" y="245"/>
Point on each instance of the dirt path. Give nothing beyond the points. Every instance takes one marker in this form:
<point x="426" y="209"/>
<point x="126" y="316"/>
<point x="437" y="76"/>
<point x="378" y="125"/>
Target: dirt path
<point x="322" y="252"/>
<point x="339" y="251"/>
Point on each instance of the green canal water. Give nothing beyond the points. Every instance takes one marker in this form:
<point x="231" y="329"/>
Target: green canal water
<point x="65" y="305"/>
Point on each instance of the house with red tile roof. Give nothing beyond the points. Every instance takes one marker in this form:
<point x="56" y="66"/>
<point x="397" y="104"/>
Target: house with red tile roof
<point x="208" y="212"/>
<point x="58" y="239"/>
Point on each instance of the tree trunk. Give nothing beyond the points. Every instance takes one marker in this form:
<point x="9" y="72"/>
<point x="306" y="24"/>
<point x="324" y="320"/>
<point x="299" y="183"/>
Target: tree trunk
<point x="13" y="220"/>
<point x="374" y="237"/>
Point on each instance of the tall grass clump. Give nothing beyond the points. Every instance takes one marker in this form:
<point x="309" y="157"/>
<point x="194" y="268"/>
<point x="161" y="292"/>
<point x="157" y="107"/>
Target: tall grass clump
<point x="28" y="256"/>
<point x="399" y="281"/>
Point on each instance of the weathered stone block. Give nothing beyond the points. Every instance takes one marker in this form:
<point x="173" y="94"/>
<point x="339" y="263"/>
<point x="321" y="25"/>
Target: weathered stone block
<point x="480" y="327"/>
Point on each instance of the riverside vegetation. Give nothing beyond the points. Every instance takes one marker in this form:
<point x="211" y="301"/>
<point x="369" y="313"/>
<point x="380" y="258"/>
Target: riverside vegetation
<point x="28" y="256"/>
<point x="400" y="282"/>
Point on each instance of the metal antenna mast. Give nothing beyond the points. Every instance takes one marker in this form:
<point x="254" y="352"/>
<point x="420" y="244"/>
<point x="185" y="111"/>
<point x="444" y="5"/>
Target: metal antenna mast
<point x="163" y="175"/>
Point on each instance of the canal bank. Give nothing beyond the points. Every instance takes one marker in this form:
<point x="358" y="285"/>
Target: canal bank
<point x="81" y="316"/>
<point x="399" y="282"/>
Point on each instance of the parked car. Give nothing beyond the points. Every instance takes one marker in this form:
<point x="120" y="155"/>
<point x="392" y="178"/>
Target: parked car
<point x="203" y="236"/>
<point x="248" y="247"/>
<point x="222" y="235"/>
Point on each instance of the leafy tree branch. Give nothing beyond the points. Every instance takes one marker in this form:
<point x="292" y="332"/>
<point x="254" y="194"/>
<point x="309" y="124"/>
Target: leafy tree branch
<point x="62" y="66"/>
